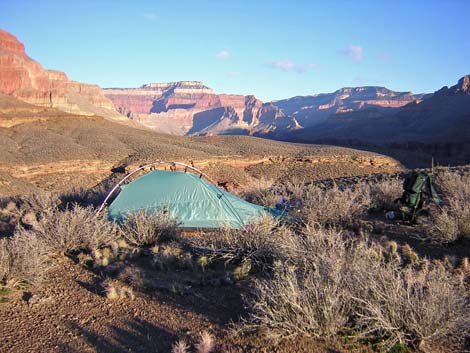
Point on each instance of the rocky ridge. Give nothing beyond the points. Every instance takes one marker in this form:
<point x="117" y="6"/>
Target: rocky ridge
<point x="442" y="118"/>
<point x="311" y="110"/>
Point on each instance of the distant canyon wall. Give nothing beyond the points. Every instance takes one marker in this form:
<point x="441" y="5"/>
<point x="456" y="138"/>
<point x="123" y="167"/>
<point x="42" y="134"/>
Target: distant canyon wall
<point x="191" y="108"/>
<point x="24" y="78"/>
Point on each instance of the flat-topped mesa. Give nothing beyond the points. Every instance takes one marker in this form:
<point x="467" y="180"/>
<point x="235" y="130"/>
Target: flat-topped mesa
<point x="24" y="78"/>
<point x="183" y="87"/>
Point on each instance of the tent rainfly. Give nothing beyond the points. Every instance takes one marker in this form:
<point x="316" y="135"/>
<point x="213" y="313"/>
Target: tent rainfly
<point x="190" y="199"/>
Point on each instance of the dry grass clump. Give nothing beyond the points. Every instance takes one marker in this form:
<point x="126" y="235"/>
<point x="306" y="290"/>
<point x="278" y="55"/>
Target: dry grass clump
<point x="23" y="259"/>
<point x="330" y="206"/>
<point x="452" y="221"/>
<point x="259" y="244"/>
<point x="146" y="229"/>
<point x="258" y="192"/>
<point x="79" y="228"/>
<point x="338" y="285"/>
<point x="114" y="291"/>
<point x="171" y="256"/>
<point x="206" y="343"/>
<point x="420" y="306"/>
<point x="180" y="347"/>
<point x="309" y="297"/>
<point x="384" y="193"/>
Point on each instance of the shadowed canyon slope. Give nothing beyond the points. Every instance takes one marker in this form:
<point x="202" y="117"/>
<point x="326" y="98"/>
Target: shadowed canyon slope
<point x="26" y="79"/>
<point x="440" y="118"/>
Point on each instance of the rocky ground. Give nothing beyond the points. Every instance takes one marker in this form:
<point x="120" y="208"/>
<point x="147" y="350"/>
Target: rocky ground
<point x="70" y="313"/>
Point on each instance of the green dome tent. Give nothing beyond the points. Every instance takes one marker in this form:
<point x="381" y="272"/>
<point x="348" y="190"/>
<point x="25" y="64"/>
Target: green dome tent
<point x="194" y="202"/>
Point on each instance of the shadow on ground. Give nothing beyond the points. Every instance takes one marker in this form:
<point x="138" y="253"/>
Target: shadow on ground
<point x="133" y="336"/>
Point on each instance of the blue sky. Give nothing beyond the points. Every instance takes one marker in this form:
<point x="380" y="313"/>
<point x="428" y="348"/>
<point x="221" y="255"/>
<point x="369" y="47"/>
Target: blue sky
<point x="273" y="49"/>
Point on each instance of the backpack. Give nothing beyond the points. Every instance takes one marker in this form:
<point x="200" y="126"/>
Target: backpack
<point x="416" y="187"/>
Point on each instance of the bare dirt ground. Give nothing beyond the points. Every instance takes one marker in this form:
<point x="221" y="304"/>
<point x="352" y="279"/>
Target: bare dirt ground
<point x="69" y="313"/>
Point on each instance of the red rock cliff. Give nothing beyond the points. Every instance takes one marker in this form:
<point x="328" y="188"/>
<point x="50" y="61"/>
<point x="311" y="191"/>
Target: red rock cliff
<point x="187" y="107"/>
<point x="26" y="79"/>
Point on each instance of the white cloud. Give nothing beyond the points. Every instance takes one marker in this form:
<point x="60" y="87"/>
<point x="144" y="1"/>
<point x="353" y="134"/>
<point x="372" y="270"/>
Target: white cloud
<point x="288" y="65"/>
<point x="284" y="65"/>
<point x="150" y="16"/>
<point x="355" y="52"/>
<point x="223" y="55"/>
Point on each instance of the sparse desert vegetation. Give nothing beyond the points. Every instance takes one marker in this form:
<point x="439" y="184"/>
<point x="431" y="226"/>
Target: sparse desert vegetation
<point x="330" y="270"/>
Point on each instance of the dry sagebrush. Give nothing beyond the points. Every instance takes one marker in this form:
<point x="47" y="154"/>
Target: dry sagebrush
<point x="76" y="229"/>
<point x="259" y="244"/>
<point x="417" y="306"/>
<point x="337" y="285"/>
<point x="452" y="221"/>
<point x="384" y="193"/>
<point x="315" y="205"/>
<point x="311" y="297"/>
<point x="23" y="259"/>
<point x="145" y="228"/>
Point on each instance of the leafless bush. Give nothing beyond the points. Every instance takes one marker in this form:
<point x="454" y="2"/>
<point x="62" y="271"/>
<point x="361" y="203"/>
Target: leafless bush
<point x="40" y="201"/>
<point x="331" y="206"/>
<point x="337" y="284"/>
<point x="446" y="228"/>
<point x="145" y="229"/>
<point x="311" y="297"/>
<point x="77" y="229"/>
<point x="452" y="222"/>
<point x="4" y="259"/>
<point x="258" y="192"/>
<point x="416" y="306"/>
<point x="260" y="244"/>
<point x="23" y="259"/>
<point x="384" y="193"/>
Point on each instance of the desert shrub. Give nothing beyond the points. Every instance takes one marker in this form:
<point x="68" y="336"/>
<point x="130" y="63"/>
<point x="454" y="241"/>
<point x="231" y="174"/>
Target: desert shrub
<point x="260" y="244"/>
<point x="452" y="221"/>
<point x="330" y="206"/>
<point x="384" y="193"/>
<point x="40" y="201"/>
<point x="340" y="285"/>
<point x="79" y="228"/>
<point x="23" y="259"/>
<point x="4" y="259"/>
<point x="258" y="191"/>
<point x="446" y="227"/>
<point x="145" y="228"/>
<point x="310" y="296"/>
<point x="417" y="305"/>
